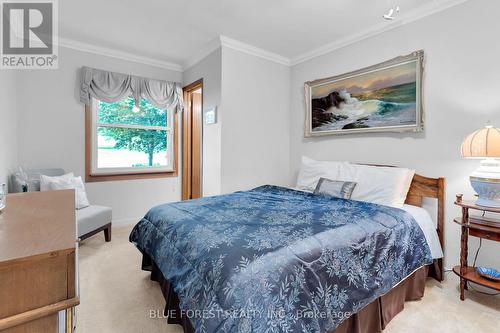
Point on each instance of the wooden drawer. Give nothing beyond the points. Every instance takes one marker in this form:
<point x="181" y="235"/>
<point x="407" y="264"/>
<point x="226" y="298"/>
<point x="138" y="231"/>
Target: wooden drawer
<point x="37" y="287"/>
<point x="37" y="261"/>
<point x="484" y="234"/>
<point x="33" y="284"/>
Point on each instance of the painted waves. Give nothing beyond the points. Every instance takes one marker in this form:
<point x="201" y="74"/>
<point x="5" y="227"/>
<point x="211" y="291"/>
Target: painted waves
<point x="394" y="106"/>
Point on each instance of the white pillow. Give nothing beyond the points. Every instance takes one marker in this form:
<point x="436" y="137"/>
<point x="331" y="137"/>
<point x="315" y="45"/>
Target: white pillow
<point x="381" y="185"/>
<point x="76" y="183"/>
<point x="81" y="194"/>
<point x="46" y="180"/>
<point x="311" y="171"/>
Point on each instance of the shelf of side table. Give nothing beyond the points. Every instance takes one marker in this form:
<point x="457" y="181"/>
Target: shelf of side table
<point x="475" y="226"/>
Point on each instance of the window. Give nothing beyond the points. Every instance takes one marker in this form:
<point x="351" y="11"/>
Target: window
<point x="130" y="140"/>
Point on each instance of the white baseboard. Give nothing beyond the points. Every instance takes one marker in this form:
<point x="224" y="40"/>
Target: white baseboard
<point x="126" y="221"/>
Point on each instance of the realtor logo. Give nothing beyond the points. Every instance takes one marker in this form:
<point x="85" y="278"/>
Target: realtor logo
<point x="29" y="34"/>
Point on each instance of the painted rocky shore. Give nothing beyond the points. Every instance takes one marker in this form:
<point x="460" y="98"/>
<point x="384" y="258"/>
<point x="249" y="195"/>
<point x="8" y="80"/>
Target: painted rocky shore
<point x="390" y="106"/>
<point x="321" y="107"/>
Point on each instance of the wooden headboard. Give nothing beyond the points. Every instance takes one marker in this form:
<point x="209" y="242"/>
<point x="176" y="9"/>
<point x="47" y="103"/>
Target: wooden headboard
<point x="424" y="187"/>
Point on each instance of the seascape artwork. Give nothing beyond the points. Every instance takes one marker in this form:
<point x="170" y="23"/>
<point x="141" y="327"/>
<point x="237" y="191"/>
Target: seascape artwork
<point x="384" y="97"/>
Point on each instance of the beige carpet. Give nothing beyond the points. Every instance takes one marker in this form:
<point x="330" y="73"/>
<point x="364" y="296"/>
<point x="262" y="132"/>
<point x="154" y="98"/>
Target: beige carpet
<point x="116" y="296"/>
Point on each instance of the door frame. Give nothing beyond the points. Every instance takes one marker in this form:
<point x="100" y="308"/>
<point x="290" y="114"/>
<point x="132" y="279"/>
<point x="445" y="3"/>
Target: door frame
<point x="187" y="125"/>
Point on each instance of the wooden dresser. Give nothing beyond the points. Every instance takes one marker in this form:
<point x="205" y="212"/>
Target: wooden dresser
<point x="38" y="277"/>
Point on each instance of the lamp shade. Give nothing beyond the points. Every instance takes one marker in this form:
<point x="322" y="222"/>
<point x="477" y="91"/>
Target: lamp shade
<point x="482" y="143"/>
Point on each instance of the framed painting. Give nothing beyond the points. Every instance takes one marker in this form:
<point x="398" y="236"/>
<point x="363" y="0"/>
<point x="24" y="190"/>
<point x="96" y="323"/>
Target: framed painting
<point x="382" y="98"/>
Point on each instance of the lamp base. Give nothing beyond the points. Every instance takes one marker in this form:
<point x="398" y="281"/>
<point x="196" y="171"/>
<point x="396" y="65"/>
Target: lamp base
<point x="486" y="182"/>
<point x="488" y="203"/>
<point x="488" y="191"/>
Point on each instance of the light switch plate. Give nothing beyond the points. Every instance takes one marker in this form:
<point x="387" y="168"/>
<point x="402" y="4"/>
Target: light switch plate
<point x="211" y="115"/>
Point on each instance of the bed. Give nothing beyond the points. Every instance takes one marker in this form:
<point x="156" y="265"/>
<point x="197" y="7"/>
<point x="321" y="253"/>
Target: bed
<point x="275" y="259"/>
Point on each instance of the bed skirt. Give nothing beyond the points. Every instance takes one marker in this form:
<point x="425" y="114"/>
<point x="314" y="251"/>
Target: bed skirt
<point x="371" y="319"/>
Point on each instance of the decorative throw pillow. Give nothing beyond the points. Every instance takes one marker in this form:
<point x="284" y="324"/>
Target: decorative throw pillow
<point x="73" y="183"/>
<point x="335" y="188"/>
<point x="46" y="180"/>
<point x="81" y="194"/>
<point x="311" y="171"/>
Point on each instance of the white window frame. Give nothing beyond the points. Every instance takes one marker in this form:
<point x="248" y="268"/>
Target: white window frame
<point x="95" y="171"/>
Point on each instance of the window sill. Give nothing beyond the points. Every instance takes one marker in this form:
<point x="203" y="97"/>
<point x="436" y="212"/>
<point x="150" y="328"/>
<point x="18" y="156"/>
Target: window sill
<point x="106" y="178"/>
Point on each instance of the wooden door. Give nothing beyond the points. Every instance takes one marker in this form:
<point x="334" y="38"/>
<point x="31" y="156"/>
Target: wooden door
<point x="192" y="141"/>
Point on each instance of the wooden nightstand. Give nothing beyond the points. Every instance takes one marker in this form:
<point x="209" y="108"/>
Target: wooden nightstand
<point x="476" y="226"/>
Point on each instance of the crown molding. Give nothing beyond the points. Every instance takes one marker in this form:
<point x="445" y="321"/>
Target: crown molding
<point x="252" y="50"/>
<point x="202" y="54"/>
<point x="235" y="45"/>
<point x="225" y="41"/>
<point x="417" y="14"/>
<point x="90" y="48"/>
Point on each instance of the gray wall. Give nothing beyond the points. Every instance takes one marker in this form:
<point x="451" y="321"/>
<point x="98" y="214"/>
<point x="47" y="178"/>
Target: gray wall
<point x="255" y="121"/>
<point x="461" y="94"/>
<point x="51" y="131"/>
<point x="210" y="70"/>
<point x="248" y="146"/>
<point x="8" y="124"/>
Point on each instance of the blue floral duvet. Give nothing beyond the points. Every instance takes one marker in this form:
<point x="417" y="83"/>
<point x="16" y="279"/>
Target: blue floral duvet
<point x="277" y="260"/>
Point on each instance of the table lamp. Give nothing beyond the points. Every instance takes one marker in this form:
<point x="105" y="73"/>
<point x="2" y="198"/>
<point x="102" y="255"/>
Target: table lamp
<point x="485" y="144"/>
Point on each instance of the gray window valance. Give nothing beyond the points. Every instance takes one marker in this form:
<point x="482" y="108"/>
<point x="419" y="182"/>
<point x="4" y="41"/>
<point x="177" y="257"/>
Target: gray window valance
<point x="112" y="87"/>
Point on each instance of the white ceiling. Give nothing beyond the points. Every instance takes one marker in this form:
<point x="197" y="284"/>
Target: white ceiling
<point x="176" y="30"/>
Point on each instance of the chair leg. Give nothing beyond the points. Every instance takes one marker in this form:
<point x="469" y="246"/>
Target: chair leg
<point x="107" y="233"/>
